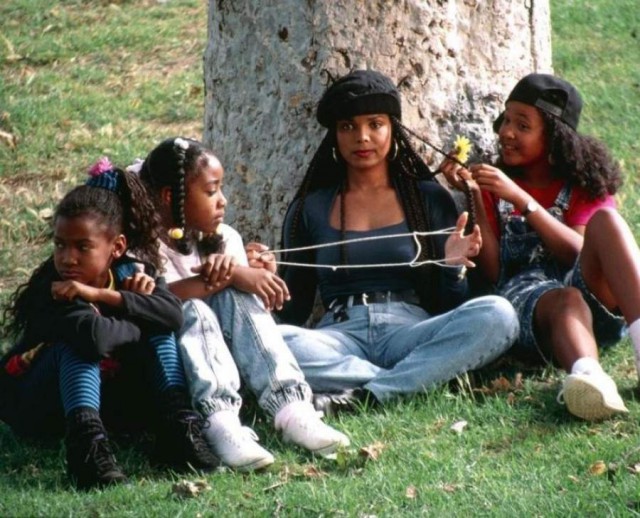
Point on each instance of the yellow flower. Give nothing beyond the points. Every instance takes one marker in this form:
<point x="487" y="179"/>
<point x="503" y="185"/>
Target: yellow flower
<point x="461" y="148"/>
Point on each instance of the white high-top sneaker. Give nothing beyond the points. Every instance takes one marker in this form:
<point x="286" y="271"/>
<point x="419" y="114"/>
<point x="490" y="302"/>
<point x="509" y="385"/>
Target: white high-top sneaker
<point x="235" y="445"/>
<point x="301" y="424"/>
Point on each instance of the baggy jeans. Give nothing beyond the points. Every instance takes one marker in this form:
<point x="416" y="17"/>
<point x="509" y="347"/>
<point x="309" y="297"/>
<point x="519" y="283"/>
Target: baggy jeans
<point x="230" y="336"/>
<point x="396" y="348"/>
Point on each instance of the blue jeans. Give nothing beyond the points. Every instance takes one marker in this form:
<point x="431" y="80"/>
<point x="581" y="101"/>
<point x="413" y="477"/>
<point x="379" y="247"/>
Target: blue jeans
<point x="397" y="348"/>
<point x="228" y="337"/>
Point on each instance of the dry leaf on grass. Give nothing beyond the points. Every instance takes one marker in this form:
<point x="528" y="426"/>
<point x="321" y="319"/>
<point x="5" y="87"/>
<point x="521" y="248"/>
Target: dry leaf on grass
<point x="312" y="471"/>
<point x="598" y="468"/>
<point x="9" y="139"/>
<point x="634" y="468"/>
<point x="190" y="488"/>
<point x="459" y="426"/>
<point x="449" y="488"/>
<point x="372" y="451"/>
<point x="411" y="492"/>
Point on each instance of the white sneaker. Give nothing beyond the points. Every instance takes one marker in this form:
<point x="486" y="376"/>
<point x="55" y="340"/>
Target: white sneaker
<point x="592" y="397"/>
<point x="301" y="424"/>
<point x="236" y="445"/>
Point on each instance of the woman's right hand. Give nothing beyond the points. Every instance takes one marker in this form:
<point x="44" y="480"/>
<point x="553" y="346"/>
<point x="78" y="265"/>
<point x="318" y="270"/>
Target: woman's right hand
<point x="217" y="269"/>
<point x="270" y="288"/>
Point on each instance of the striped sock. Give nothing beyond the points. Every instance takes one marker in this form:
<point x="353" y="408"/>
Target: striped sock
<point x="168" y="370"/>
<point x="79" y="381"/>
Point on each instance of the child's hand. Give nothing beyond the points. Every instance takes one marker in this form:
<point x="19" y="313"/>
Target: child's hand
<point x="258" y="259"/>
<point x="216" y="269"/>
<point x="69" y="290"/>
<point x="268" y="286"/>
<point x="493" y="180"/>
<point x="459" y="247"/>
<point x="455" y="174"/>
<point x="139" y="283"/>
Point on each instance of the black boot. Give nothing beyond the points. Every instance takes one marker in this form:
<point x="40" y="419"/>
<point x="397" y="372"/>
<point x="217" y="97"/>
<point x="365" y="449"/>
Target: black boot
<point x="180" y="443"/>
<point x="90" y="461"/>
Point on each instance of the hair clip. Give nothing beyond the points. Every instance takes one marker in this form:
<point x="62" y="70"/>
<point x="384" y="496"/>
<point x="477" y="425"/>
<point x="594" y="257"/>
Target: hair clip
<point x="136" y="167"/>
<point x="101" y="166"/>
<point x="181" y="143"/>
<point x="176" y="233"/>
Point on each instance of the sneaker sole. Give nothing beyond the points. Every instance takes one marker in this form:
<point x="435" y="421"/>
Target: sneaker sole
<point x="255" y="465"/>
<point x="587" y="402"/>
<point x="330" y="450"/>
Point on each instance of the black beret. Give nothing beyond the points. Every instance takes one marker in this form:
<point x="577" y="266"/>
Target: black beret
<point x="550" y="94"/>
<point x="358" y="93"/>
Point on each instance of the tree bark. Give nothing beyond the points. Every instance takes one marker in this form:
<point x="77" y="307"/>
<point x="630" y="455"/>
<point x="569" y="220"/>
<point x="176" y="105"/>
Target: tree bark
<point x="453" y="60"/>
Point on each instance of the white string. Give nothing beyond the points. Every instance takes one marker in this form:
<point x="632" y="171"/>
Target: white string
<point x="413" y="263"/>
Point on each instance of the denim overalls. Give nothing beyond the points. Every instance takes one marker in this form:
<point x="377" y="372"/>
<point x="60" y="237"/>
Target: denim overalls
<point x="528" y="270"/>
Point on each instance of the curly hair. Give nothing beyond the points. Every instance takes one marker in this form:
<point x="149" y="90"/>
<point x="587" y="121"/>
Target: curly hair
<point x="406" y="170"/>
<point x="582" y="160"/>
<point x="126" y="210"/>
<point x="171" y="164"/>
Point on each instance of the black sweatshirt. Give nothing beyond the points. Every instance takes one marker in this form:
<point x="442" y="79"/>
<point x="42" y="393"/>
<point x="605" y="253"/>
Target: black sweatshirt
<point x="95" y="331"/>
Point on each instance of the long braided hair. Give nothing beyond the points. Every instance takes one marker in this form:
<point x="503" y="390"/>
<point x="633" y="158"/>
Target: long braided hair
<point x="406" y="169"/>
<point x="171" y="164"/>
<point x="116" y="199"/>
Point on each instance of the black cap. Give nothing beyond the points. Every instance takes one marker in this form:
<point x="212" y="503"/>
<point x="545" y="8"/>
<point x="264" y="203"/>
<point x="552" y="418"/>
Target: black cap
<point x="358" y="93"/>
<point x="550" y="94"/>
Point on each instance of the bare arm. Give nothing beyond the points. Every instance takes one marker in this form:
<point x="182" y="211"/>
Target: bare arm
<point x="562" y="241"/>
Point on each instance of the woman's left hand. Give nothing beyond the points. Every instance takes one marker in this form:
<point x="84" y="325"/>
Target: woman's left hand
<point x="258" y="257"/>
<point x="459" y="247"/>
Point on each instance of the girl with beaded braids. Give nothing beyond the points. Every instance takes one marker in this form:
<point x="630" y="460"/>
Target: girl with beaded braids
<point x="229" y="333"/>
<point x="555" y="245"/>
<point x="94" y="329"/>
<point x="387" y="330"/>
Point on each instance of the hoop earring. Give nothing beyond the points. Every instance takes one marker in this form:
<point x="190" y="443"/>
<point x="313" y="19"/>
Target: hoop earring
<point x="334" y="155"/>
<point x="394" y="155"/>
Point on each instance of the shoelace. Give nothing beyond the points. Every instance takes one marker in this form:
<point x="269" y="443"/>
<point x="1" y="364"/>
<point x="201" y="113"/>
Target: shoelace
<point x="194" y="424"/>
<point x="101" y="454"/>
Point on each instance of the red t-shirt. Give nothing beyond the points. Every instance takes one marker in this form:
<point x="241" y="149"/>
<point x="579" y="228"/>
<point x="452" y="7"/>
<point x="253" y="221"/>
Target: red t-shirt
<point x="580" y="209"/>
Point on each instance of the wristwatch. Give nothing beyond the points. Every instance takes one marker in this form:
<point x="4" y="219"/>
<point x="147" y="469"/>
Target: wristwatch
<point x="530" y="208"/>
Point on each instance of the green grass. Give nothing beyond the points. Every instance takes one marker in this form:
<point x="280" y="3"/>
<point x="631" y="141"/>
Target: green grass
<point x="79" y="79"/>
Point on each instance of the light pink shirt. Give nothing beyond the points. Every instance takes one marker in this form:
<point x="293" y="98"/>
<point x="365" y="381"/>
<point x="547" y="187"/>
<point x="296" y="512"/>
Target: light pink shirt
<point x="177" y="266"/>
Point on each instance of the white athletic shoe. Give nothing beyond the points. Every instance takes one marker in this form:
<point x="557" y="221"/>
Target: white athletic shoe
<point x="301" y="424"/>
<point x="236" y="445"/>
<point x="592" y="397"/>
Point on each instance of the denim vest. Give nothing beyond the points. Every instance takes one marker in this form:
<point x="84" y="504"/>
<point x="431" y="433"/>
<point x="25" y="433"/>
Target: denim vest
<point x="521" y="248"/>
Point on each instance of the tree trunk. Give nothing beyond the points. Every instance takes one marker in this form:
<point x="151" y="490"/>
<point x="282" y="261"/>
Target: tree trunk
<point x="453" y="60"/>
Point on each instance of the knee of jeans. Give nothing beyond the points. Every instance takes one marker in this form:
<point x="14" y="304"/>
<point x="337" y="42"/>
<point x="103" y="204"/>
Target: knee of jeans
<point x="195" y="309"/>
<point x="199" y="318"/>
<point x="502" y="317"/>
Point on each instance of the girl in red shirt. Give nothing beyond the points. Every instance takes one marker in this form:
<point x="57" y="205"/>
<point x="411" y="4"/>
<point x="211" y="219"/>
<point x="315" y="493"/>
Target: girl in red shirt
<point x="553" y="242"/>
